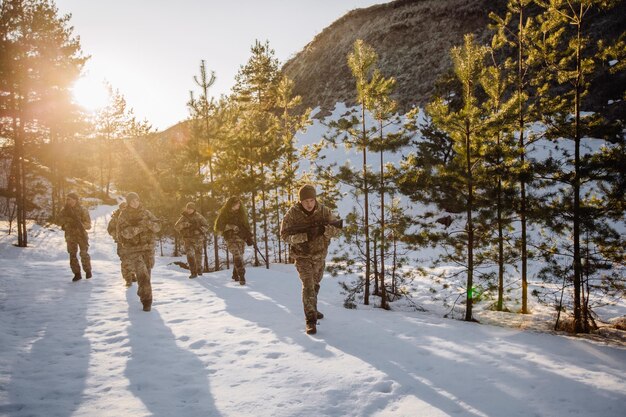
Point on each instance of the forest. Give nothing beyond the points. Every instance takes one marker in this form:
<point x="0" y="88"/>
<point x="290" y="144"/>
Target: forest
<point x="504" y="166"/>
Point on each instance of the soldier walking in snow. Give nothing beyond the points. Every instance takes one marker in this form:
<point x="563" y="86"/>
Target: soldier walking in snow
<point x="75" y="221"/>
<point x="192" y="227"/>
<point x="136" y="228"/>
<point x="127" y="272"/>
<point x="232" y="223"/>
<point x="307" y="229"/>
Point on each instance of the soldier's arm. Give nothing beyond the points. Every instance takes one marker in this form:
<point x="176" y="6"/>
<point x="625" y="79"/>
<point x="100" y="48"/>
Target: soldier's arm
<point x="152" y="222"/>
<point x="126" y="230"/>
<point x="181" y="224"/>
<point x="85" y="218"/>
<point x="291" y="239"/>
<point x="331" y="231"/>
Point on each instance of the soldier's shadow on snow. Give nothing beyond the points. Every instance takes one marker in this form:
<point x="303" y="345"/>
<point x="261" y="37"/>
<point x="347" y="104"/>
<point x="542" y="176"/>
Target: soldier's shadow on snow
<point x="475" y="373"/>
<point x="279" y="311"/>
<point x="168" y="379"/>
<point x="54" y="369"/>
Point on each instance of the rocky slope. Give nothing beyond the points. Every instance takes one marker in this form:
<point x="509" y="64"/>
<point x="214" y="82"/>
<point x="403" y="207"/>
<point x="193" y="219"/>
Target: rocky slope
<point x="413" y="39"/>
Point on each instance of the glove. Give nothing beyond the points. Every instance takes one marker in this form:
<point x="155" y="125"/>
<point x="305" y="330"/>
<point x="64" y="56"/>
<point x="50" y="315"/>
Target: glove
<point x="249" y="241"/>
<point x="297" y="238"/>
<point x="314" y="232"/>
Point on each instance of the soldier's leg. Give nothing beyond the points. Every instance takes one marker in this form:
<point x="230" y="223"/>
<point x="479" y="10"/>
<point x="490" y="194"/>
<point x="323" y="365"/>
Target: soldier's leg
<point x="85" y="259"/>
<point x="307" y="272"/>
<point x="242" y="266"/>
<point x="144" y="290"/>
<point x="319" y="274"/>
<point x="198" y="248"/>
<point x="72" y="250"/>
<point x="191" y="259"/>
<point x="238" y="266"/>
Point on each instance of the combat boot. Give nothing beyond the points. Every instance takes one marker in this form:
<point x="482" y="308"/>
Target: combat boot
<point x="88" y="274"/>
<point x="320" y="315"/>
<point x="147" y="305"/>
<point x="311" y="326"/>
<point x="77" y="277"/>
<point x="193" y="275"/>
<point x="129" y="284"/>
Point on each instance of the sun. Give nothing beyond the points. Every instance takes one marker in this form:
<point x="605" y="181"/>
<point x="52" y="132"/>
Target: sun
<point x="90" y="93"/>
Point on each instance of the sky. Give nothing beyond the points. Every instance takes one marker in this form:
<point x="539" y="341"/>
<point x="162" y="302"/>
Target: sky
<point x="211" y="347"/>
<point x="150" y="50"/>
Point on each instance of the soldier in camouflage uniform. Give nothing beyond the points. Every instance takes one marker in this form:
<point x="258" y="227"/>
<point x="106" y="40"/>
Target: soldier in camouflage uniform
<point x="127" y="272"/>
<point x="75" y="221"/>
<point x="232" y="224"/>
<point x="192" y="227"/>
<point x="309" y="249"/>
<point x="136" y="229"/>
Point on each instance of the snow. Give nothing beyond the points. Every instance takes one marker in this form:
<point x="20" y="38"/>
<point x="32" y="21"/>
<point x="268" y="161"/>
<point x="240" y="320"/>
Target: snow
<point x="210" y="347"/>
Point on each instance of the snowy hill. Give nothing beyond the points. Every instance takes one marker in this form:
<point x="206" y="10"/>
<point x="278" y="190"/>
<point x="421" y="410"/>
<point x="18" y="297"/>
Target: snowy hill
<point x="212" y="348"/>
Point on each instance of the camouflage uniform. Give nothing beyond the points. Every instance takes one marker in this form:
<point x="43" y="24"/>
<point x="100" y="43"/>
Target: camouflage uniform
<point x="127" y="272"/>
<point x="309" y="251"/>
<point x="136" y="228"/>
<point x="193" y="228"/>
<point x="234" y="227"/>
<point x="75" y="221"/>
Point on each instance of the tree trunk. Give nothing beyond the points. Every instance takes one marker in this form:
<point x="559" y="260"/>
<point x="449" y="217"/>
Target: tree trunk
<point x="470" y="227"/>
<point x="366" y="226"/>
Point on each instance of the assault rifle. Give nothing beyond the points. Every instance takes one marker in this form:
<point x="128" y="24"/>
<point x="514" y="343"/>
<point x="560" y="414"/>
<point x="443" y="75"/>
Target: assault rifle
<point x="312" y="227"/>
<point x="246" y="235"/>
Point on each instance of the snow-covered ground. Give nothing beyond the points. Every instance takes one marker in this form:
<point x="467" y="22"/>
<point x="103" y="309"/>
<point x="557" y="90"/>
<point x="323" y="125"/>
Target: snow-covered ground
<point x="212" y="348"/>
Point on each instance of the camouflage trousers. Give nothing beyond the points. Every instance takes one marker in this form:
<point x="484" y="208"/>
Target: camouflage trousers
<point x="311" y="271"/>
<point x="237" y="246"/>
<point x="141" y="264"/>
<point x="73" y="249"/>
<point x="193" y="250"/>
<point x="127" y="272"/>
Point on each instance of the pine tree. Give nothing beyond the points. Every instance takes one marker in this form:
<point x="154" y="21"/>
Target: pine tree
<point x="40" y="60"/>
<point x="113" y="123"/>
<point x="499" y="157"/>
<point x="514" y="31"/>
<point x="569" y="61"/>
<point x="448" y="170"/>
<point x="201" y="115"/>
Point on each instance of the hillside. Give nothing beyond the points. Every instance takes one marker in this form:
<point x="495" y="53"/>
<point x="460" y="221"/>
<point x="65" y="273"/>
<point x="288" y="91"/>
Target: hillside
<point x="413" y="39"/>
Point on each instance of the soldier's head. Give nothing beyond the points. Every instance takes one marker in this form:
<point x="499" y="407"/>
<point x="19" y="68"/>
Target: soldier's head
<point x="307" y="197"/>
<point x="190" y="207"/>
<point x="234" y="203"/>
<point x="133" y="199"/>
<point x="72" y="199"/>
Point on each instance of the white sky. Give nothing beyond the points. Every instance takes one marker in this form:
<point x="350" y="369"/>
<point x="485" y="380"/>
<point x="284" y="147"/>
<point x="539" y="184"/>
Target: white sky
<point x="151" y="49"/>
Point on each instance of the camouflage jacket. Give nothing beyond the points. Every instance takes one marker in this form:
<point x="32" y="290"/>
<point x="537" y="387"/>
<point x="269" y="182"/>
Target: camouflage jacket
<point x="192" y="226"/>
<point x="302" y="244"/>
<point x="136" y="229"/>
<point x="112" y="226"/>
<point x="75" y="221"/>
<point x="233" y="224"/>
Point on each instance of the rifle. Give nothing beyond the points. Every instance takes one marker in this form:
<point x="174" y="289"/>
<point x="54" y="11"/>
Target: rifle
<point x="246" y="235"/>
<point x="305" y="228"/>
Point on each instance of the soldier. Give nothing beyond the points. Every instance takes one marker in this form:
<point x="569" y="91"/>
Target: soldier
<point x="192" y="227"/>
<point x="232" y="223"/>
<point x="305" y="227"/>
<point x="75" y="221"/>
<point x="136" y="228"/>
<point x="127" y="272"/>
